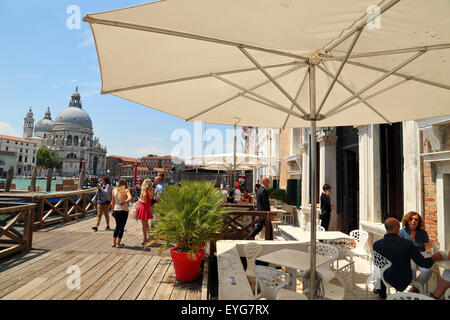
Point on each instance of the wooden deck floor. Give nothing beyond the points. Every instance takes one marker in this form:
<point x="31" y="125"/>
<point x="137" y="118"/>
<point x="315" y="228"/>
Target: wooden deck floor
<point x="107" y="273"/>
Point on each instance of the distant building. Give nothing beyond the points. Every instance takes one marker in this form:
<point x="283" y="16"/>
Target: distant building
<point x="7" y="159"/>
<point x="18" y="152"/>
<point x="70" y="137"/>
<point x="114" y="164"/>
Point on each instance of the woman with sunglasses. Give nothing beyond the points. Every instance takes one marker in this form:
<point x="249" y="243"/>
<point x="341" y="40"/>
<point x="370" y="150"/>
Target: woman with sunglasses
<point x="413" y="230"/>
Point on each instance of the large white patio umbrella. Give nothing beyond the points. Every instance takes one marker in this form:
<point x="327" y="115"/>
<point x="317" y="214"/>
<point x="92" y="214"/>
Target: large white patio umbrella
<point x="266" y="62"/>
<point x="232" y="161"/>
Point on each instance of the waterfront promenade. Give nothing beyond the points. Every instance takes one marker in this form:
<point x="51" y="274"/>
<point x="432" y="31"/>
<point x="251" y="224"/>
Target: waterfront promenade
<point x="107" y="273"/>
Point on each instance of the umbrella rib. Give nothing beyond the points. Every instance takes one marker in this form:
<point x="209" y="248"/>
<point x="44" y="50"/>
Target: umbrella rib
<point x="271" y="103"/>
<point x="324" y="70"/>
<point x="370" y="97"/>
<point x="296" y="97"/>
<point x="328" y="57"/>
<point x="401" y="75"/>
<point x="355" y="39"/>
<point x="196" y="77"/>
<point x="133" y="26"/>
<point x="372" y="84"/>
<point x="362" y="25"/>
<point x="260" y="67"/>
<point x="242" y="93"/>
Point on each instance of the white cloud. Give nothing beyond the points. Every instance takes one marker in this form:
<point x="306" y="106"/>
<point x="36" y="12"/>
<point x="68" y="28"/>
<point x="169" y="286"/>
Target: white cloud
<point x="7" y="130"/>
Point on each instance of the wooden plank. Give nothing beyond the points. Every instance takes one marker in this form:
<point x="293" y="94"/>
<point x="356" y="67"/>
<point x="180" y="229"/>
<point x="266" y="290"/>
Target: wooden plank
<point x="136" y="287"/>
<point x="179" y="291"/>
<point x="56" y="275"/>
<point x="24" y="267"/>
<point x="118" y="291"/>
<point x="102" y="279"/>
<point x="60" y="285"/>
<point x="30" y="286"/>
<point x="194" y="291"/>
<point x="153" y="283"/>
<point x="167" y="284"/>
<point x="89" y="272"/>
<point x="21" y="279"/>
<point x="117" y="277"/>
<point x="20" y="262"/>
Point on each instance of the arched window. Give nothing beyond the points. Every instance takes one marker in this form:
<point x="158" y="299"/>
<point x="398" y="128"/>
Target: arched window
<point x="75" y="141"/>
<point x="20" y="158"/>
<point x="71" y="156"/>
<point x="83" y="142"/>
<point x="69" y="140"/>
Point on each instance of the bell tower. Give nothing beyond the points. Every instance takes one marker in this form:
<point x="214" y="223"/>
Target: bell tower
<point x="28" y="125"/>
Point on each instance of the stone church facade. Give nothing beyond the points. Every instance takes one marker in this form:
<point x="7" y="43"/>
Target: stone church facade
<point x="70" y="137"/>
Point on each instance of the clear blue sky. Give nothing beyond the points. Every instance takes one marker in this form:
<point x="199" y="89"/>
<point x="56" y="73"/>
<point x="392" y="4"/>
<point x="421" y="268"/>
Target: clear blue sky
<point x="41" y="63"/>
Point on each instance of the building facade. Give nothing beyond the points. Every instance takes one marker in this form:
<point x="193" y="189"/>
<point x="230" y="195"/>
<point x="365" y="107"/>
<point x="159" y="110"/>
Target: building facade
<point x="70" y="137"/>
<point x="19" y="153"/>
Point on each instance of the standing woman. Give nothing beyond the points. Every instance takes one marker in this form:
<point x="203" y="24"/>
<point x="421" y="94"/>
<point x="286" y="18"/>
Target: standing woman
<point x="144" y="211"/>
<point x="121" y="198"/>
<point x="413" y="230"/>
<point x="104" y="194"/>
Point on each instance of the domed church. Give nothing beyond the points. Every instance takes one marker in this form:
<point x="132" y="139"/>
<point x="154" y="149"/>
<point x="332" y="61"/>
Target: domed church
<point x="71" y="138"/>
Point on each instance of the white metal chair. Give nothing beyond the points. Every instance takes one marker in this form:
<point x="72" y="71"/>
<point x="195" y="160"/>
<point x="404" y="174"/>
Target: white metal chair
<point x="361" y="238"/>
<point x="288" y="217"/>
<point x="408" y="296"/>
<point x="447" y="294"/>
<point x="272" y="282"/>
<point x="344" y="277"/>
<point x="332" y="253"/>
<point x="380" y="265"/>
<point x="251" y="250"/>
<point x="343" y="246"/>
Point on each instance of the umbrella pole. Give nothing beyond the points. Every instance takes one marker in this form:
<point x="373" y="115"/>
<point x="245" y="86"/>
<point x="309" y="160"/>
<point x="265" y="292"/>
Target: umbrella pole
<point x="313" y="180"/>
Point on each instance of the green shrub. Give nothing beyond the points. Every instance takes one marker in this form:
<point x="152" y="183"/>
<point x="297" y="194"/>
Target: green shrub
<point x="189" y="215"/>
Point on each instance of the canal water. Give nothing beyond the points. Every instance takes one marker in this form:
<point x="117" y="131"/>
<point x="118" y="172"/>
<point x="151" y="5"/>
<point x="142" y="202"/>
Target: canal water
<point x="23" y="183"/>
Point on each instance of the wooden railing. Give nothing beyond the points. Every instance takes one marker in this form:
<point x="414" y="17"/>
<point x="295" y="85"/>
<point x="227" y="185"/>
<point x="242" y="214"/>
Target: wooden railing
<point x="60" y="206"/>
<point x="242" y="219"/>
<point x="16" y="227"/>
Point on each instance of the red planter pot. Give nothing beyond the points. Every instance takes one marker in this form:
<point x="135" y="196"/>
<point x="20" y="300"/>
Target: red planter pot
<point x="186" y="269"/>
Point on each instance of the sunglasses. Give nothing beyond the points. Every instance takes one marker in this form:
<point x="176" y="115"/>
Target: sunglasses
<point x="416" y="219"/>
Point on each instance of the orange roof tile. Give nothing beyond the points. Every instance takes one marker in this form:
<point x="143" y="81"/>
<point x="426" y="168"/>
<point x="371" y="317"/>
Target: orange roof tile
<point x="16" y="139"/>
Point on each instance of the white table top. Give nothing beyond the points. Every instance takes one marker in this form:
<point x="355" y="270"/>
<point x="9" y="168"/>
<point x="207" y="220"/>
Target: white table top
<point x="292" y="259"/>
<point x="302" y="235"/>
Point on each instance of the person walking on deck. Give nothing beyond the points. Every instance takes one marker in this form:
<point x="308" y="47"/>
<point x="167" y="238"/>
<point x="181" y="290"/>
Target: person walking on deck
<point x="120" y="200"/>
<point x="104" y="194"/>
<point x="144" y="211"/>
<point x="262" y="204"/>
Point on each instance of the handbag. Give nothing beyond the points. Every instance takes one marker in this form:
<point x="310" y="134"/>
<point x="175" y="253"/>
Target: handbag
<point x="134" y="211"/>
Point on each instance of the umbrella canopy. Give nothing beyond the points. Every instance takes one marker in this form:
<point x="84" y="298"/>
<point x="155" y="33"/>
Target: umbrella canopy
<point x="226" y="161"/>
<point x="200" y="60"/>
<point x="280" y="63"/>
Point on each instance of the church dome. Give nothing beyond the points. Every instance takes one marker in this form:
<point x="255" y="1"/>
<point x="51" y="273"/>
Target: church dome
<point x="45" y="124"/>
<point x="74" y="114"/>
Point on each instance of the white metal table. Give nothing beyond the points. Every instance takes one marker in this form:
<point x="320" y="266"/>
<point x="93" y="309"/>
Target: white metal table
<point x="293" y="260"/>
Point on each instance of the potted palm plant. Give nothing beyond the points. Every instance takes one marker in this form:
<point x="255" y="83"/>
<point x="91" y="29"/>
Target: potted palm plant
<point x="188" y="216"/>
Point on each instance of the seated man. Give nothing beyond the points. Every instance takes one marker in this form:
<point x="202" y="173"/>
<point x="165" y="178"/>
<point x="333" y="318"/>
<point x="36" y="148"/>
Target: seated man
<point x="399" y="252"/>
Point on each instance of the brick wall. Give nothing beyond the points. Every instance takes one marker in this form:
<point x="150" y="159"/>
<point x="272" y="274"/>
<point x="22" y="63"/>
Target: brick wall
<point x="429" y="195"/>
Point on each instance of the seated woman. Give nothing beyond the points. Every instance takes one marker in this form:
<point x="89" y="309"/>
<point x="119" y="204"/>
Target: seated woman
<point x="230" y="198"/>
<point x="246" y="198"/>
<point x="413" y="230"/>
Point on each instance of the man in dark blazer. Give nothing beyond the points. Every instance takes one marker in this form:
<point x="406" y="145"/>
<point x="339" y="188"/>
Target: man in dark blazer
<point x="262" y="204"/>
<point x="400" y="252"/>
